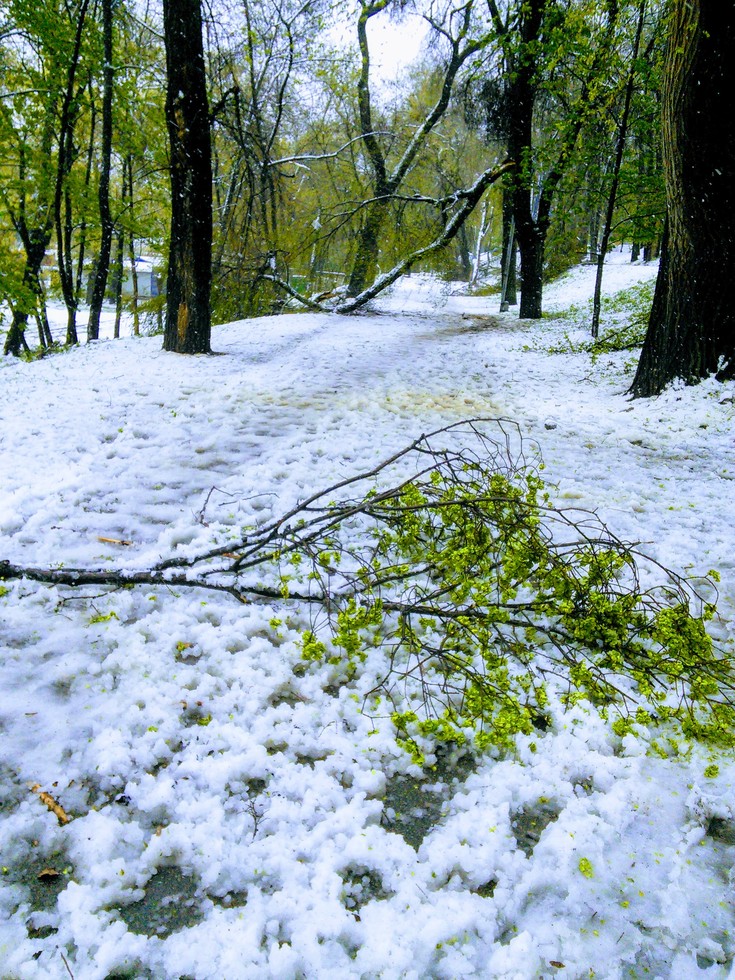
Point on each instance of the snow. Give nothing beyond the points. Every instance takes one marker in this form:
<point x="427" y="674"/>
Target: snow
<point x="232" y="818"/>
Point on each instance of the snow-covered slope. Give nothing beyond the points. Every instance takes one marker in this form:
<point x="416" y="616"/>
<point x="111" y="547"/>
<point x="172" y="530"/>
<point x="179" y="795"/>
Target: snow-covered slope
<point x="234" y="819"/>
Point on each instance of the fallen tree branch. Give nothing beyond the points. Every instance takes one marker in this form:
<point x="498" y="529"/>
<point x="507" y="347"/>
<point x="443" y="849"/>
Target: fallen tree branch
<point x="469" y="199"/>
<point x="466" y="200"/>
<point x="448" y="563"/>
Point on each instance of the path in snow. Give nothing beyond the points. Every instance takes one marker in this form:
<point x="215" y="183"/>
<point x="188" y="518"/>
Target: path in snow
<point x="200" y="760"/>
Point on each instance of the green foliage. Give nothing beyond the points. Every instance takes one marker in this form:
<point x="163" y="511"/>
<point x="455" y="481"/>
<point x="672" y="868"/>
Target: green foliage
<point x="37" y="353"/>
<point x="585" y="868"/>
<point x="483" y="598"/>
<point x="624" y="321"/>
<point x="563" y="249"/>
<point x="103" y="617"/>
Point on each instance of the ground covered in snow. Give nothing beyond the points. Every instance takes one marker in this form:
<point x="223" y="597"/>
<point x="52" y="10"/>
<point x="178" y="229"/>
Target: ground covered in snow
<point x="233" y="815"/>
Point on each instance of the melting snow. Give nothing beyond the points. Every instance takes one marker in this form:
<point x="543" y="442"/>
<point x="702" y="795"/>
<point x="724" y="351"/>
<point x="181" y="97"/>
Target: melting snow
<point x="234" y="819"/>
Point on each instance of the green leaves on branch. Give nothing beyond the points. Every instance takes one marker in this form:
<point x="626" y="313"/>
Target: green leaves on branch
<point x="478" y="597"/>
<point x="447" y="585"/>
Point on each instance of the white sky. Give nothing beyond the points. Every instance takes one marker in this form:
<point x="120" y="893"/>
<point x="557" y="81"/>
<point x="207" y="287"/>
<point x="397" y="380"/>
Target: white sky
<point x="394" y="44"/>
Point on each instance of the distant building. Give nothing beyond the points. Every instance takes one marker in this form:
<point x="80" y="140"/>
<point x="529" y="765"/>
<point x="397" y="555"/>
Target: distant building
<point x="150" y="279"/>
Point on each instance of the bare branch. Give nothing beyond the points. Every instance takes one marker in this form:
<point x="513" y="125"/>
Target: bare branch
<point x="314" y="157"/>
<point x="469" y="199"/>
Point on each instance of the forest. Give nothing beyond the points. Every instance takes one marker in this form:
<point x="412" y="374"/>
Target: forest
<point x="523" y="129"/>
<point x="397" y="640"/>
<point x="299" y="174"/>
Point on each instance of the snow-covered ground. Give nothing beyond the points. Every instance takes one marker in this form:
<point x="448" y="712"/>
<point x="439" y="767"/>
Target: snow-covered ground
<point x="232" y="818"/>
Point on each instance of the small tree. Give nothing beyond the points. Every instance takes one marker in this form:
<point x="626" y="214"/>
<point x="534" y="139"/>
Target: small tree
<point x="691" y="331"/>
<point x="43" y="78"/>
<point x="188" y="317"/>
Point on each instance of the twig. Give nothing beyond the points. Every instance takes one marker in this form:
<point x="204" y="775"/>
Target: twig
<point x="68" y="968"/>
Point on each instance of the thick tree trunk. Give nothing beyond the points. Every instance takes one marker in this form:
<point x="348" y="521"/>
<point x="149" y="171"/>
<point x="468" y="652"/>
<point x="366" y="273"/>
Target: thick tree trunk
<point x="464" y="259"/>
<point x="188" y="316"/>
<point x="522" y="91"/>
<point x="365" y="267"/>
<point x="691" y="332"/>
<point x="531" y="241"/>
<point x="15" y="341"/>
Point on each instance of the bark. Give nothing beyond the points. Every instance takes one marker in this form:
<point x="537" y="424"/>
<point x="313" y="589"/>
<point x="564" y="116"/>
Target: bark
<point x="531" y="247"/>
<point x="509" y="289"/>
<point x="691" y="331"/>
<point x="78" y="230"/>
<point x="128" y="184"/>
<point x="464" y="258"/>
<point x="106" y="223"/>
<point x="522" y="92"/>
<point x="485" y="225"/>
<point x="44" y="330"/>
<point x="188" y="316"/>
<point x="35" y="243"/>
<point x="365" y="266"/>
<point x="118" y="274"/>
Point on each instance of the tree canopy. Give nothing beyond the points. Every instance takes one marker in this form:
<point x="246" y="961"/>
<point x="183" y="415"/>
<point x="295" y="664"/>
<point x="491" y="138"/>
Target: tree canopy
<point x="284" y="168"/>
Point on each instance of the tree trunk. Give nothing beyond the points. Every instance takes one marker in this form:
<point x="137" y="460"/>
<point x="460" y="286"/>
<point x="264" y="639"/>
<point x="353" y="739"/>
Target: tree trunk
<point x="619" y="149"/>
<point x="365" y="266"/>
<point x="35" y="243"/>
<point x="509" y="288"/>
<point x="464" y="259"/>
<point x="44" y="330"/>
<point x="118" y="274"/>
<point x="522" y="90"/>
<point x="188" y="316"/>
<point x="106" y="224"/>
<point x="485" y="225"/>
<point x="531" y="241"/>
<point x="128" y="189"/>
<point x="15" y="341"/>
<point x="691" y="331"/>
